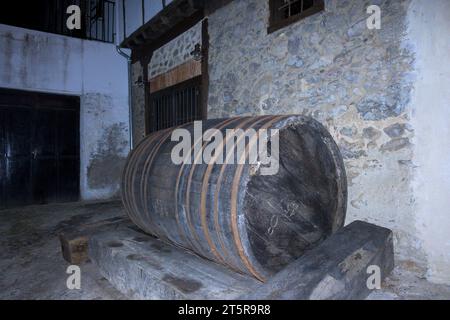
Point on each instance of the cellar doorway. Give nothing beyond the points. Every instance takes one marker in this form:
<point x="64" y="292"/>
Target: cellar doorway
<point x="39" y="148"/>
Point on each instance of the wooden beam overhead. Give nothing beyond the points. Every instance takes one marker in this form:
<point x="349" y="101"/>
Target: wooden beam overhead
<point x="165" y="20"/>
<point x="172" y="15"/>
<point x="162" y="37"/>
<point x="180" y="73"/>
<point x="177" y="17"/>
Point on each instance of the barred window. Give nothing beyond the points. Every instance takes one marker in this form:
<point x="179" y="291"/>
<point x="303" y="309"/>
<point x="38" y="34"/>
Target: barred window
<point x="285" y="12"/>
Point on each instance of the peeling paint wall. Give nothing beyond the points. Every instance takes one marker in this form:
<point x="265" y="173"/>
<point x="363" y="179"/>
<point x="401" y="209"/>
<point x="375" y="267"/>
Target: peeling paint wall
<point x="359" y="83"/>
<point x="37" y="61"/>
<point x="106" y="161"/>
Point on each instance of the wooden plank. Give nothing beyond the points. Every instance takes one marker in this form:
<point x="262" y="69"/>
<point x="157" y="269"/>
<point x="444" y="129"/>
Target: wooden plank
<point x="181" y="73"/>
<point x="148" y="111"/>
<point x="205" y="69"/>
<point x="143" y="267"/>
<point x="336" y="269"/>
<point x="74" y="248"/>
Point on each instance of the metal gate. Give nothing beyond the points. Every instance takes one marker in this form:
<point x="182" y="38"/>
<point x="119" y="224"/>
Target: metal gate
<point x="176" y="105"/>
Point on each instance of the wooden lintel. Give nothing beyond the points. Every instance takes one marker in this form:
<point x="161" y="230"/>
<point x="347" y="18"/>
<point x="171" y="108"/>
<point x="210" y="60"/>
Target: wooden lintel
<point x="183" y="72"/>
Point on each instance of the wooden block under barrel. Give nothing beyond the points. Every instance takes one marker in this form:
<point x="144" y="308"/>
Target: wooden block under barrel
<point x="74" y="241"/>
<point x="239" y="215"/>
<point x="336" y="269"/>
<point x="143" y="267"/>
<point x="74" y="247"/>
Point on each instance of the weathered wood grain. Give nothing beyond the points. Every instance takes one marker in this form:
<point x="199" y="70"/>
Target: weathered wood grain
<point x="230" y="213"/>
<point x="183" y="72"/>
<point x="74" y="239"/>
<point x="336" y="269"/>
<point x="143" y="267"/>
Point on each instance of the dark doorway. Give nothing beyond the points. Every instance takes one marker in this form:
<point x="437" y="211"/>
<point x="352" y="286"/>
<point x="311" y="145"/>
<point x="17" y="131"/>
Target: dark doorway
<point x="39" y="148"/>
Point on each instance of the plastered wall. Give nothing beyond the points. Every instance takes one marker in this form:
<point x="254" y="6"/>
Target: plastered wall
<point x="37" y="61"/>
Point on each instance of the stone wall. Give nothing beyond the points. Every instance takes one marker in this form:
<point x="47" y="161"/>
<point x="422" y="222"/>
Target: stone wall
<point x="175" y="52"/>
<point x="354" y="80"/>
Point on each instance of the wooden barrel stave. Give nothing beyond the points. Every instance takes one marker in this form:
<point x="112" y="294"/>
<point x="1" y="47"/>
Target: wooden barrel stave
<point x="222" y="212"/>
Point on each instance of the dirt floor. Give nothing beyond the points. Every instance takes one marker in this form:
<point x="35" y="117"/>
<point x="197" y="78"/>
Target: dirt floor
<point x="31" y="264"/>
<point x="32" y="267"/>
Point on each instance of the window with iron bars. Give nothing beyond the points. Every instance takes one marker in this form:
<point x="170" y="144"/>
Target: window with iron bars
<point x="97" y="17"/>
<point x="101" y="20"/>
<point x="175" y="105"/>
<point x="285" y="12"/>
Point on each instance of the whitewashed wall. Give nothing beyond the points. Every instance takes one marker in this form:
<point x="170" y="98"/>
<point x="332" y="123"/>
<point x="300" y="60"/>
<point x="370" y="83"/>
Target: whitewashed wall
<point x="429" y="33"/>
<point x="38" y="61"/>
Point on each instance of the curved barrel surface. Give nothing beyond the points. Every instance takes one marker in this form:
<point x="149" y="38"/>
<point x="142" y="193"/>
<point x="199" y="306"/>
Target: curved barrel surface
<point x="230" y="212"/>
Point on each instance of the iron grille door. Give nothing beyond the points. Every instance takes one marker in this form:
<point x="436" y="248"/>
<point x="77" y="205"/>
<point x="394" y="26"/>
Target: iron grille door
<point x="176" y="105"/>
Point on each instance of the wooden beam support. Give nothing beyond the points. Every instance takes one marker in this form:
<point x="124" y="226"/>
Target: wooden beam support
<point x="181" y="73"/>
<point x="74" y="240"/>
<point x="205" y="69"/>
<point x="148" y="111"/>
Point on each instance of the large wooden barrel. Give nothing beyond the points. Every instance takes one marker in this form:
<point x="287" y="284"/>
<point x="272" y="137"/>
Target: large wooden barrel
<point x="231" y="213"/>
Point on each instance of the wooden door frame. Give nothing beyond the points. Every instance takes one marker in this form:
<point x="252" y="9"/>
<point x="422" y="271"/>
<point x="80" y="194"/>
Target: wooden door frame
<point x="192" y="82"/>
<point x="145" y="55"/>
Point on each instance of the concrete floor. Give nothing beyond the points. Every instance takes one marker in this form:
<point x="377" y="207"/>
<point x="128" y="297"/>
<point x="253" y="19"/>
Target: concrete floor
<point x="32" y="267"/>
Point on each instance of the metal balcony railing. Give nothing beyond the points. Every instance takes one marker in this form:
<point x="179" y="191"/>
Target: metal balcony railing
<point x="97" y="18"/>
<point x="101" y="21"/>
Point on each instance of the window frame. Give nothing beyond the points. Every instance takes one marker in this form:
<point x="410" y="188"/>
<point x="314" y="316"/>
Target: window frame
<point x="155" y="123"/>
<point x="277" y="24"/>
